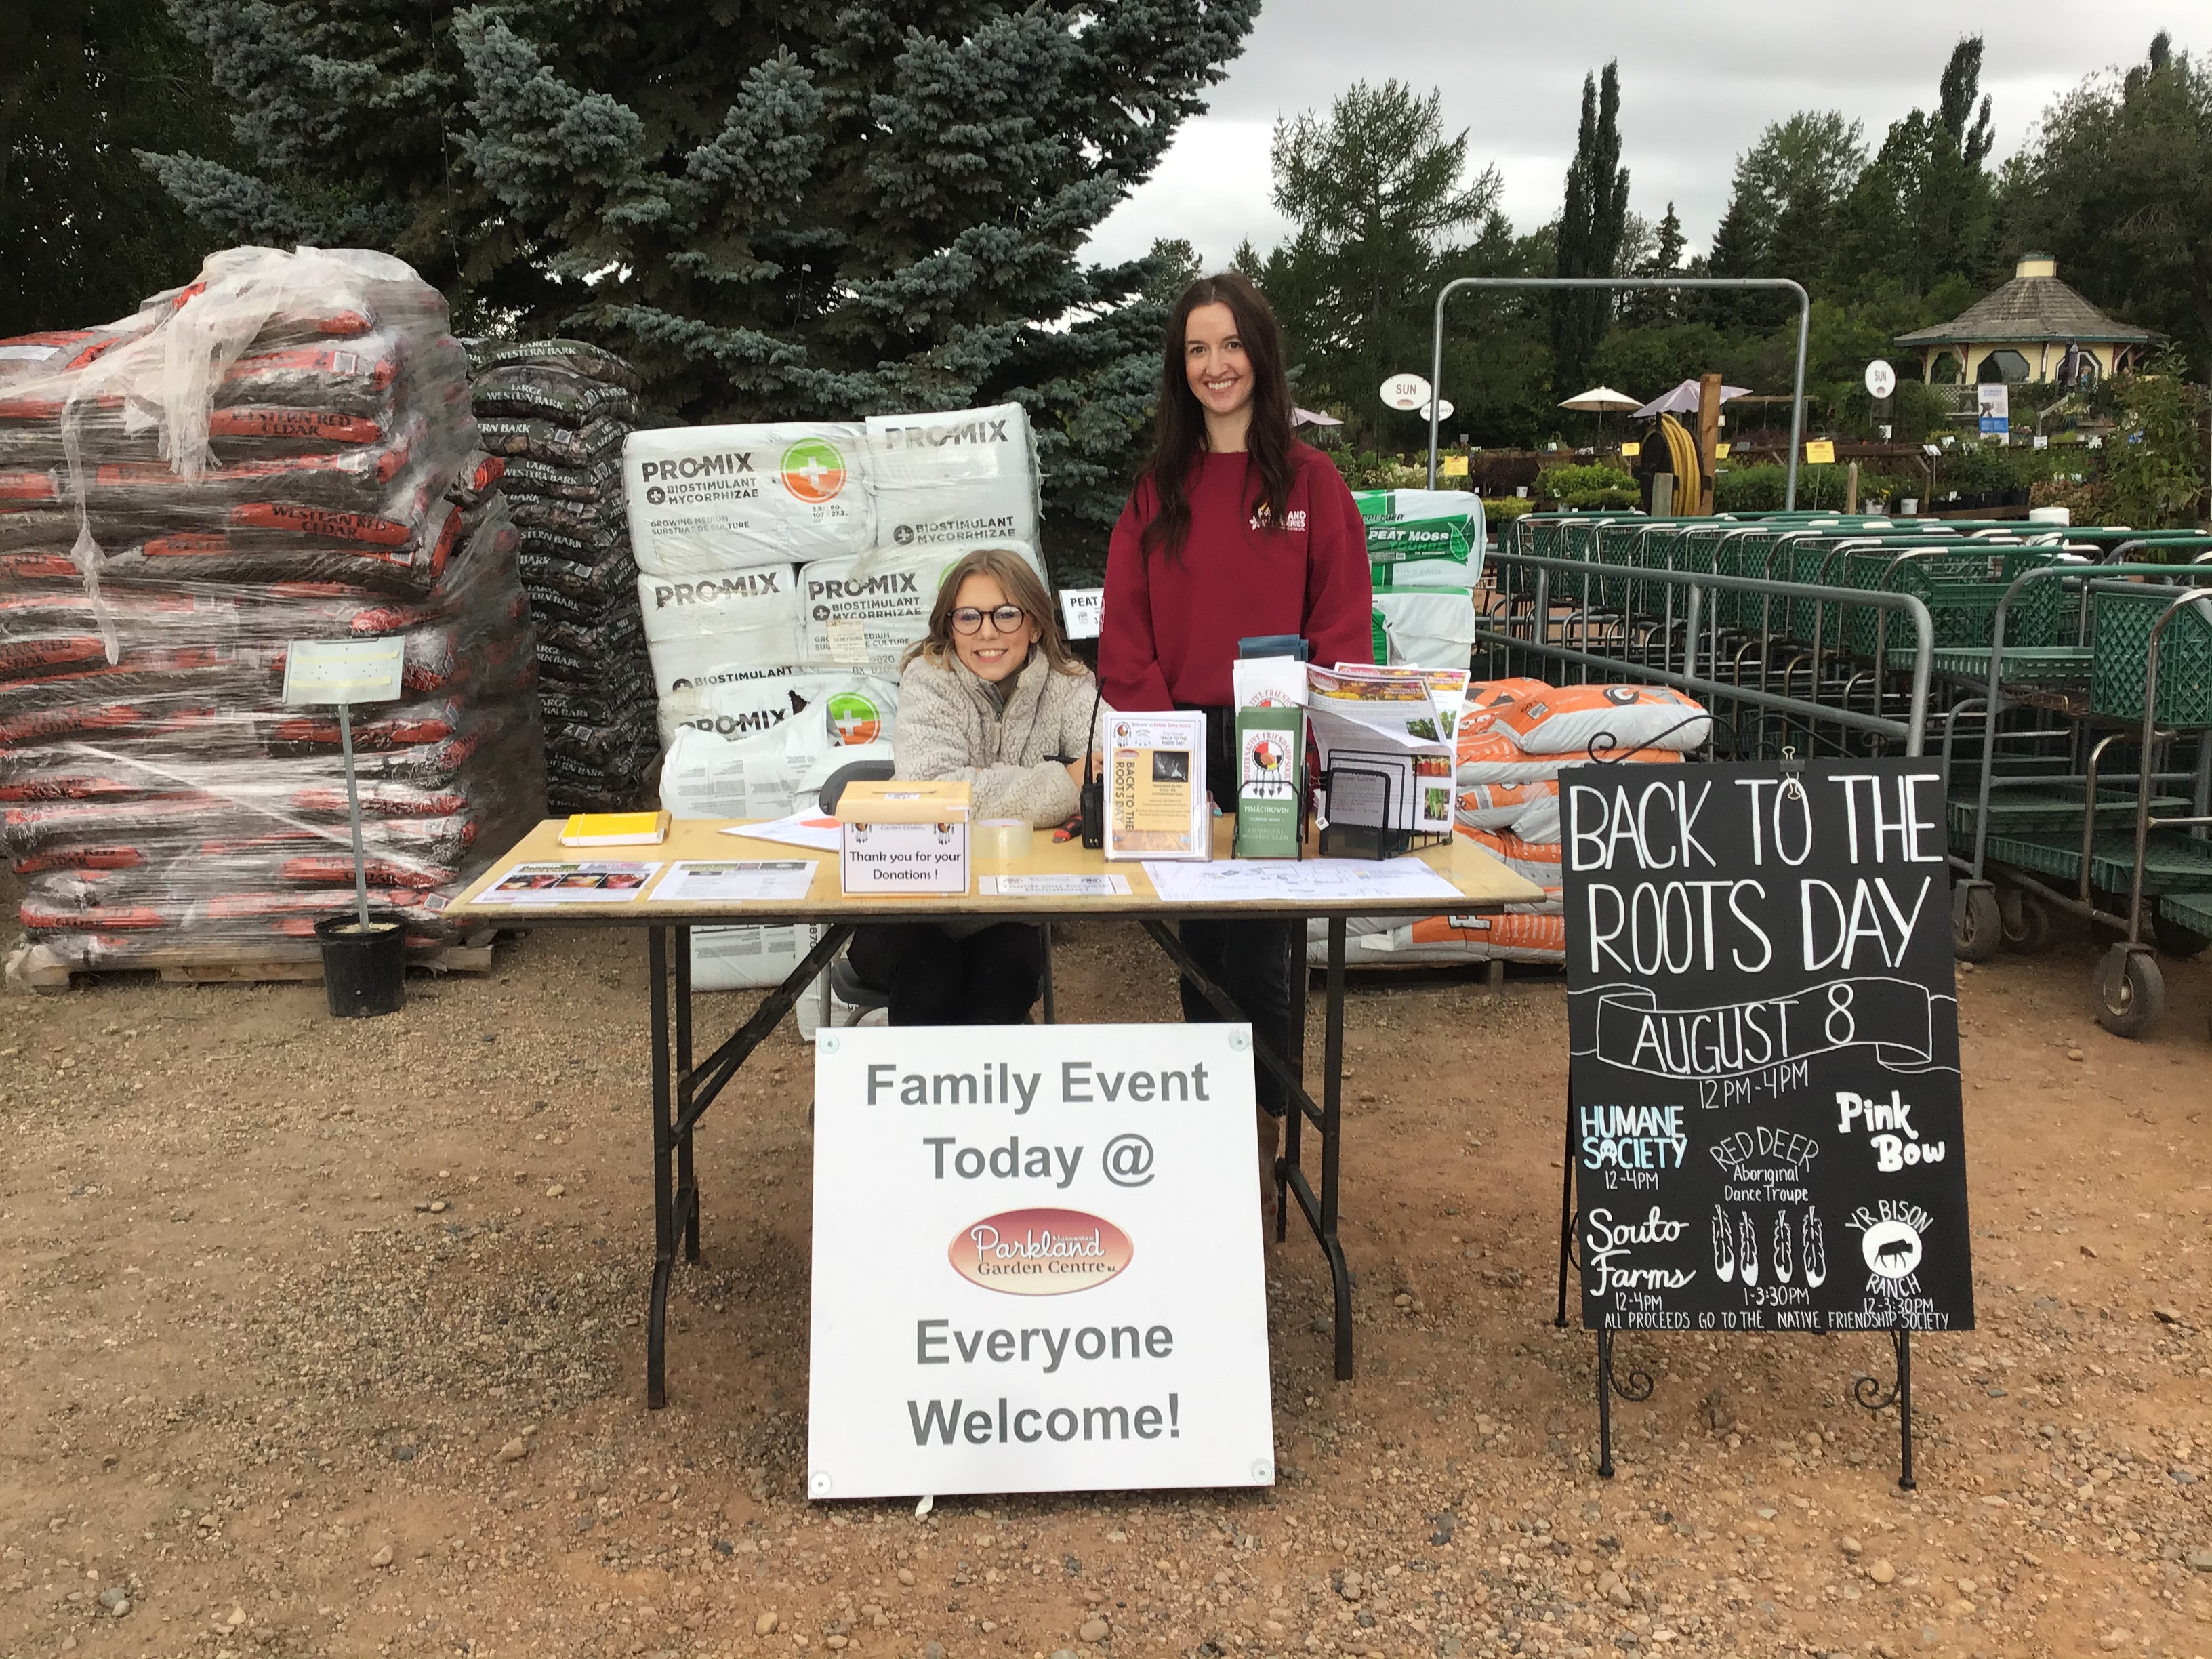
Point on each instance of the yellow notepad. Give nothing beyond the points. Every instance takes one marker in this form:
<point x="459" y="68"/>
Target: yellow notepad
<point x="615" y="829"/>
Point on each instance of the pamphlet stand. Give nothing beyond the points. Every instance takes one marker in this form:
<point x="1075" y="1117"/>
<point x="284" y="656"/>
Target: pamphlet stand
<point x="1368" y="835"/>
<point x="1635" y="1384"/>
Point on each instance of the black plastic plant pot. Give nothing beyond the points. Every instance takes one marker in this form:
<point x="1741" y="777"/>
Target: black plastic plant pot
<point x="364" y="970"/>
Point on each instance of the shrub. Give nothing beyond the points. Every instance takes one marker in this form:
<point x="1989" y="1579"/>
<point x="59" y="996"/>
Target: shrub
<point x="1582" y="487"/>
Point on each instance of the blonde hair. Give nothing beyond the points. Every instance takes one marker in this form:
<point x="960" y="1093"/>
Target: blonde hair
<point x="1018" y="579"/>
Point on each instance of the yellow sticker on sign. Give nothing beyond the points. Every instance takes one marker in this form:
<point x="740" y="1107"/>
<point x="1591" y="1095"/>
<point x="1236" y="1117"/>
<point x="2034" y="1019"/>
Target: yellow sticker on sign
<point x="1820" y="451"/>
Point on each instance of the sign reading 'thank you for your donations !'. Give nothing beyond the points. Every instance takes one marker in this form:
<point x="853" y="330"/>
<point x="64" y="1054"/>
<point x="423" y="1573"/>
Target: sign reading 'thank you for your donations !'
<point x="1037" y="1261"/>
<point x="1764" y="1084"/>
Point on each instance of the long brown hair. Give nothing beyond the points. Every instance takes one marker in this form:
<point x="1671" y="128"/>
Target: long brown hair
<point x="1179" y="424"/>
<point x="1018" y="579"/>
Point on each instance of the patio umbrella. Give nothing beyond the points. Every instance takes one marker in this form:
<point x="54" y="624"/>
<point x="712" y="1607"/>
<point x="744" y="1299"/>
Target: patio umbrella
<point x="1683" y="400"/>
<point x="1599" y="400"/>
<point x="1312" y="417"/>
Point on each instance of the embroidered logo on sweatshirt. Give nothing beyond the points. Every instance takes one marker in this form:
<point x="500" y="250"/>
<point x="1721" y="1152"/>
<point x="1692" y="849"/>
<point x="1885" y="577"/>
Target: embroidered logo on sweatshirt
<point x="1293" y="520"/>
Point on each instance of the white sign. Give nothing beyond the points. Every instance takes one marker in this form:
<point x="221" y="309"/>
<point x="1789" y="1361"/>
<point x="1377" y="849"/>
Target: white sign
<point x="1444" y="407"/>
<point x="1406" y="391"/>
<point x="1880" y="379"/>
<point x="1993" y="399"/>
<point x="1036" y="1262"/>
<point x="903" y="858"/>
<point x="1083" y="610"/>
<point x="343" y="671"/>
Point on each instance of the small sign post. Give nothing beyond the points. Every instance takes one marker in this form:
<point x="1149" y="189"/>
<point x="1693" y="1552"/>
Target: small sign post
<point x="1083" y="610"/>
<point x="320" y="672"/>
<point x="1406" y="391"/>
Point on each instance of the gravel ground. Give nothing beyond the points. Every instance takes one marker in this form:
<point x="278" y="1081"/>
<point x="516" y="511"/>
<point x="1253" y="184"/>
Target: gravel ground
<point x="326" y="1339"/>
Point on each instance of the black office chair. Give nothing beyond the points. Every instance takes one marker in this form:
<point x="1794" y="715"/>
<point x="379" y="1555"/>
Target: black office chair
<point x="842" y="983"/>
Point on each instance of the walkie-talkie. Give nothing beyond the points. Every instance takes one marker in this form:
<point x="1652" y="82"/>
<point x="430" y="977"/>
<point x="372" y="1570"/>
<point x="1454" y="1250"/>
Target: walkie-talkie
<point x="1091" y="797"/>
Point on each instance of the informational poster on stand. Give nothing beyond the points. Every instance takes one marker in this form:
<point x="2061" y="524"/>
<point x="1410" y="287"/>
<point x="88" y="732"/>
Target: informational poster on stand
<point x="1764" y="1085"/>
<point x="1036" y="1262"/>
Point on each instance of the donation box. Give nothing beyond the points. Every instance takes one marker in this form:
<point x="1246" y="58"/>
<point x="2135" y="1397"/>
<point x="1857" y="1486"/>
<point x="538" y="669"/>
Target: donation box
<point x="904" y="838"/>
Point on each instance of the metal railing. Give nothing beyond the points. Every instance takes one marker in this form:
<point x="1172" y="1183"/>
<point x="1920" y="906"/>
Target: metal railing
<point x="1564" y="602"/>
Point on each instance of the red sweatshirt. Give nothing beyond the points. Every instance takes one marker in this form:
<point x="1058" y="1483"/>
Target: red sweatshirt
<point x="1171" y="625"/>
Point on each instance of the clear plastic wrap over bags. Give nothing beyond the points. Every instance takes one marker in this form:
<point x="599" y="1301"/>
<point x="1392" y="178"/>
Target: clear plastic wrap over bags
<point x="281" y="450"/>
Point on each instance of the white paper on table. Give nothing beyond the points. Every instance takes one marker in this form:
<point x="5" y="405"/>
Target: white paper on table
<point x="1334" y="881"/>
<point x="579" y="882"/>
<point x="798" y="830"/>
<point x="742" y="881"/>
<point x="1055" y="886"/>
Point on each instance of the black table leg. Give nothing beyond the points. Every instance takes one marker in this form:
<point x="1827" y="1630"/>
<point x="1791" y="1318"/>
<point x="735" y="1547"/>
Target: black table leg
<point x="1319" y="1210"/>
<point x="1293" y="1119"/>
<point x="1332" y="1123"/>
<point x="683" y="1089"/>
<point x="687" y="1185"/>
<point x="664" y="1197"/>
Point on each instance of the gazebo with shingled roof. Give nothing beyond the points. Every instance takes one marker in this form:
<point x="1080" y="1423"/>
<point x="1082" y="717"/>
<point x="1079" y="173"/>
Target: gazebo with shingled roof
<point x="2024" y="331"/>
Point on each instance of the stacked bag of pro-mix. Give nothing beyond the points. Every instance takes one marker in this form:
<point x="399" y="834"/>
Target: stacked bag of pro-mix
<point x="557" y="411"/>
<point x="1424" y="555"/>
<point x="282" y="451"/>
<point x="1514" y="738"/>
<point x="785" y="569"/>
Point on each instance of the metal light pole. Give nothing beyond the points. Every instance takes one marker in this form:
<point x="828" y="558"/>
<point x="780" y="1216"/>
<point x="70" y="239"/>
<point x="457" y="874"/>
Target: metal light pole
<point x="1804" y="330"/>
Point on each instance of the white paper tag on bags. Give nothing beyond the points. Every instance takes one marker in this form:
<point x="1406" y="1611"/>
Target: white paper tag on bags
<point x="1037" y="1270"/>
<point x="848" y="640"/>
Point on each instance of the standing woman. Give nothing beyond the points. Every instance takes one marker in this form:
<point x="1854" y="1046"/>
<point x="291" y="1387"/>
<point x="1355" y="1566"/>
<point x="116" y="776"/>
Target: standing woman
<point x="1235" y="529"/>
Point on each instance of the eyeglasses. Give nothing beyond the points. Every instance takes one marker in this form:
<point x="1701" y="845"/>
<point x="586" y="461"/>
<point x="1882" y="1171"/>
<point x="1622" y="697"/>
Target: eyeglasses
<point x="1006" y="618"/>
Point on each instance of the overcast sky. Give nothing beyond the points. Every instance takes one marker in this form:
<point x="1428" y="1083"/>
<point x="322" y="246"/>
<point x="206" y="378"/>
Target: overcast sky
<point x="1698" y="83"/>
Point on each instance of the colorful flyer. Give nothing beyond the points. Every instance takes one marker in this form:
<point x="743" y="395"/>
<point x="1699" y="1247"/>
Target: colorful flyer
<point x="586" y="883"/>
<point x="1156" y="806"/>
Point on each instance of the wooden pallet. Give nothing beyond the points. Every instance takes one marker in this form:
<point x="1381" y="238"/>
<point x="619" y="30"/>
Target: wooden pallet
<point x="37" y="968"/>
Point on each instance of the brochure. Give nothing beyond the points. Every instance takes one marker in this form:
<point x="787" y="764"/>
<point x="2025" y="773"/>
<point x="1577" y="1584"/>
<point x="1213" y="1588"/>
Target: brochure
<point x="813" y="830"/>
<point x="569" y="883"/>
<point x="1446" y="688"/>
<point x="737" y="881"/>
<point x="1053" y="886"/>
<point x="1384" y="776"/>
<point x="1331" y="881"/>
<point x="1270" y="748"/>
<point x="1156" y="806"/>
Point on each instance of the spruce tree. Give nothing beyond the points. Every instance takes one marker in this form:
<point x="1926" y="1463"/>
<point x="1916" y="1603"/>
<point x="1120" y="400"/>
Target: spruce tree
<point x="1590" y="226"/>
<point x="84" y="233"/>
<point x="814" y="210"/>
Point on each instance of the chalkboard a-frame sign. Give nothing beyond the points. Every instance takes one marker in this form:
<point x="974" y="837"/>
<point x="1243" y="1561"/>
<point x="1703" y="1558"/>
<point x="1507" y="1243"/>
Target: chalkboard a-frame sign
<point x="1763" y="1128"/>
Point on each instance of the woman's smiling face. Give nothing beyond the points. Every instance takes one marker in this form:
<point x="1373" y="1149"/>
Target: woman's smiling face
<point x="1213" y="360"/>
<point x="988" y="653"/>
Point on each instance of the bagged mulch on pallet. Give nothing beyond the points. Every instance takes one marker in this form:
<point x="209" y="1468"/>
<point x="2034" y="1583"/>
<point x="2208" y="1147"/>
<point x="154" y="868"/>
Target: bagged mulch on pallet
<point x="1516" y="738"/>
<point x="280" y="451"/>
<point x="555" y="414"/>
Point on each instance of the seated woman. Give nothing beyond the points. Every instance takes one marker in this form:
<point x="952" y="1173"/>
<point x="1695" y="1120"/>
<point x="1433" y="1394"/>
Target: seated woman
<point x="992" y="696"/>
